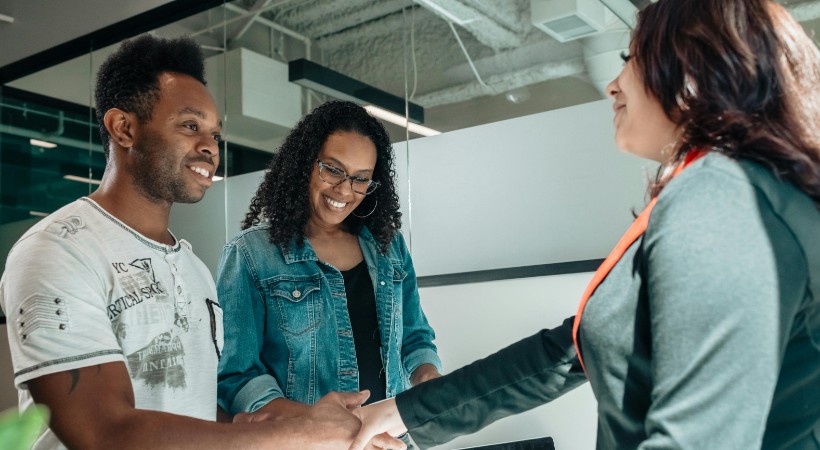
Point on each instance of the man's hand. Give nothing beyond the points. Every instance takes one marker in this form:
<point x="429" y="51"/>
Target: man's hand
<point x="331" y="424"/>
<point x="380" y="420"/>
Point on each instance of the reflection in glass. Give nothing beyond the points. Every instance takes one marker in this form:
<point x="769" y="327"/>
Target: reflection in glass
<point x="45" y="161"/>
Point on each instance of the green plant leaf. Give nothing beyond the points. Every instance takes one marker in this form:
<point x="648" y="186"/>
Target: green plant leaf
<point x="18" y="431"/>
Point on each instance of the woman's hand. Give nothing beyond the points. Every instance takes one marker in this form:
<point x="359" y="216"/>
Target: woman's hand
<point x="378" y="419"/>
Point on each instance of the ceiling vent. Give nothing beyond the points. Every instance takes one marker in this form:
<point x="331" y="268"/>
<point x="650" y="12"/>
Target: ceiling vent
<point x="255" y="93"/>
<point x="567" y="20"/>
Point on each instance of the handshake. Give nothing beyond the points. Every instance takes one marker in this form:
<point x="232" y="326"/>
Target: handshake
<point x="338" y="421"/>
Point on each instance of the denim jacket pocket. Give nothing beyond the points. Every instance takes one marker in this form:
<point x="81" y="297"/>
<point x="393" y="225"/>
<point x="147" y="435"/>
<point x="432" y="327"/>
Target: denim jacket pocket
<point x="398" y="272"/>
<point x="298" y="302"/>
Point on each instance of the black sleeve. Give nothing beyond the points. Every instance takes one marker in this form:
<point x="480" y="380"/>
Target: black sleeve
<point x="529" y="373"/>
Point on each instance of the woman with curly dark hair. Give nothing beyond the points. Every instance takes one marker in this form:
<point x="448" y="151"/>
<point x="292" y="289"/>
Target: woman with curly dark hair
<point x="319" y="290"/>
<point x="701" y="330"/>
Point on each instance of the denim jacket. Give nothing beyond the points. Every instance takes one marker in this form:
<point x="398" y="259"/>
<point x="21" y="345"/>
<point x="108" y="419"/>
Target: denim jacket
<point x="287" y="328"/>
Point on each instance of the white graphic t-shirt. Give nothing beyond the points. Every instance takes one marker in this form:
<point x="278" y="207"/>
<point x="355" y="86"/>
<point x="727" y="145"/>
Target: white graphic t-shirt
<point x="81" y="288"/>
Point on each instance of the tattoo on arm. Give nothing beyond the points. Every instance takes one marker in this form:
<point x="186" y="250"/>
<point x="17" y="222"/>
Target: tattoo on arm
<point x="75" y="378"/>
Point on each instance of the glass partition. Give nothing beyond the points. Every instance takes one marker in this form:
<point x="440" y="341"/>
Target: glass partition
<point x="48" y="159"/>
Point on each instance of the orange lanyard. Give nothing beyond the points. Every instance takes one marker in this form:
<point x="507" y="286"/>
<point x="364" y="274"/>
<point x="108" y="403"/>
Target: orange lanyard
<point x="635" y="230"/>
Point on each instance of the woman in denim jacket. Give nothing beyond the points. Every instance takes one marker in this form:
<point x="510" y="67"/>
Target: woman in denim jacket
<point x="319" y="290"/>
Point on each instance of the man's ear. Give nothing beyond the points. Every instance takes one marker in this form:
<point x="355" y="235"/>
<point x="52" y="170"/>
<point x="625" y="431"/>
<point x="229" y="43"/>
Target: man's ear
<point x="120" y="126"/>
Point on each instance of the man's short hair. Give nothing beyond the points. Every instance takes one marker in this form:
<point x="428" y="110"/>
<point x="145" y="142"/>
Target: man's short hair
<point x="129" y="78"/>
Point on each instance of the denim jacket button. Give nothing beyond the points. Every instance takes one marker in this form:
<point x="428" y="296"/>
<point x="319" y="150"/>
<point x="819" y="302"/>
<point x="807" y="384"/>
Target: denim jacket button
<point x="381" y="283"/>
<point x="296" y="294"/>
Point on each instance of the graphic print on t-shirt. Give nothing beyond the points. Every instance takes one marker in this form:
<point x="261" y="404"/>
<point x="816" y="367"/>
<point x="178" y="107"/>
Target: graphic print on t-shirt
<point x="67" y="226"/>
<point x="181" y="313"/>
<point x="160" y="363"/>
<point x="144" y="264"/>
<point x="145" y="305"/>
<point x="139" y="284"/>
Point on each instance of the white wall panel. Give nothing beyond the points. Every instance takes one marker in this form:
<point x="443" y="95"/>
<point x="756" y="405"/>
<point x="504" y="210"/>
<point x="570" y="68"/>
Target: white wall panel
<point x="474" y="320"/>
<point x="204" y="224"/>
<point x="546" y="188"/>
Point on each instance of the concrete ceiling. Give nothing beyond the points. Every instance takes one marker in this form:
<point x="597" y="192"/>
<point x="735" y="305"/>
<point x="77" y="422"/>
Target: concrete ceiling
<point x="495" y="65"/>
<point x="391" y="43"/>
<point x="410" y="47"/>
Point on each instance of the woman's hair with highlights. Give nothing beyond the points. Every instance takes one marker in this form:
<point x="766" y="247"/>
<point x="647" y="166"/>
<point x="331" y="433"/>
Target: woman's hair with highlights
<point x="740" y="77"/>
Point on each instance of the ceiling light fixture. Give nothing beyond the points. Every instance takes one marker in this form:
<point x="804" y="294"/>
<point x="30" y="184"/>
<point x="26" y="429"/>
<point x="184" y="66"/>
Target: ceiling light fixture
<point x="218" y="178"/>
<point x="327" y="81"/>
<point x="37" y="214"/>
<point x="39" y="143"/>
<point x="393" y="118"/>
<point x="82" y="179"/>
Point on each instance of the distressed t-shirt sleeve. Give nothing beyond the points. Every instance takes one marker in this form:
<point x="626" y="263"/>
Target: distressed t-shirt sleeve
<point x="56" y="305"/>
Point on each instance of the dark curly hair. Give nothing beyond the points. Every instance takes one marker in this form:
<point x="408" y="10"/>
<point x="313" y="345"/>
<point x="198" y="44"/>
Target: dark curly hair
<point x="129" y="78"/>
<point x="282" y="198"/>
<point x="739" y="77"/>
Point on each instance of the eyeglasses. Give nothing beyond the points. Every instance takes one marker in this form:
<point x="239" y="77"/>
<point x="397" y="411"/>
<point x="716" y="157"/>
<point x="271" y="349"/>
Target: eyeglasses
<point x="336" y="176"/>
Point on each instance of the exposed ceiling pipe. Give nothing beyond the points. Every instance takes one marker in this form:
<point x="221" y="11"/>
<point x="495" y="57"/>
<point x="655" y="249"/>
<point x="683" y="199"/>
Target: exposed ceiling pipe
<point x="273" y="25"/>
<point x="624" y="10"/>
<point x="60" y="140"/>
<point x="259" y="9"/>
<point x="601" y="62"/>
<point x="244" y="13"/>
<point x="315" y="20"/>
<point x="502" y="83"/>
<point x="598" y="56"/>
<point x="60" y="116"/>
<point x="60" y="123"/>
<point x="490" y="31"/>
<point x="386" y="26"/>
<point x="467" y="55"/>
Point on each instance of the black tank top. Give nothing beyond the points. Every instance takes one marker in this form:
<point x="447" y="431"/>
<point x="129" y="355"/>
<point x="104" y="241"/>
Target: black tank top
<point x="361" y="306"/>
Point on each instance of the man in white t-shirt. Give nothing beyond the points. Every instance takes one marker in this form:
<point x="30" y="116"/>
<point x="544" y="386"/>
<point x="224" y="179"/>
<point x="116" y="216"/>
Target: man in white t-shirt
<point x="113" y="322"/>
